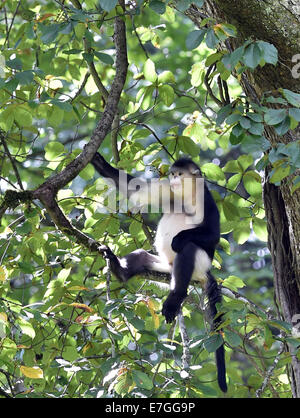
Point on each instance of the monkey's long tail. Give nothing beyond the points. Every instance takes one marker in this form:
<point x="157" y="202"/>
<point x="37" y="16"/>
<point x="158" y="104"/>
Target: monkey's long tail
<point x="214" y="296"/>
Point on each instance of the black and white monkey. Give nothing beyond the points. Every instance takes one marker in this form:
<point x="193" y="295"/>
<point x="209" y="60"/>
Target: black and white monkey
<point x="185" y="240"/>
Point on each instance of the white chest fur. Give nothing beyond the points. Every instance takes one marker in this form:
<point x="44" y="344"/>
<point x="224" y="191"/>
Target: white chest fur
<point x="169" y="226"/>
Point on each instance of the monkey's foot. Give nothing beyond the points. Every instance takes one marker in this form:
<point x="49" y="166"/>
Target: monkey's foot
<point x="171" y="308"/>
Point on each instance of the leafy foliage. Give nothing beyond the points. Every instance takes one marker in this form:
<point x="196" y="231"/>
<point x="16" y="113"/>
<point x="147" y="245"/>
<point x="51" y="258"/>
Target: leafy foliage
<point x="66" y="330"/>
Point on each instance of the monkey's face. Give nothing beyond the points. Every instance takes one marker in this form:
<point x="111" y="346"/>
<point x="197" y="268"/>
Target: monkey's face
<point x="178" y="180"/>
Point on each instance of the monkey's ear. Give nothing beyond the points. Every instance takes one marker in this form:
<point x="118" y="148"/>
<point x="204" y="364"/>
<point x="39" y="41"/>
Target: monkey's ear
<point x="196" y="172"/>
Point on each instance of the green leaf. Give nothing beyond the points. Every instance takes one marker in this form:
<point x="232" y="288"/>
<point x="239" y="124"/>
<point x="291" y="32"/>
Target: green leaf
<point x="72" y="51"/>
<point x="275" y="116"/>
<point x="211" y="39"/>
<point x="252" y="56"/>
<point x="224" y="73"/>
<point x="242" y="231"/>
<point x="252" y="183"/>
<point x="62" y="105"/>
<point x="194" y="39"/>
<point x="188" y="146"/>
<point x="253" y="143"/>
<point x="260" y="228"/>
<point x="2" y="66"/>
<point x="182" y="5"/>
<point x="26" y="327"/>
<point x="256" y="128"/>
<point x="158" y="6"/>
<point x="230" y="211"/>
<point x="229" y="29"/>
<point x="233" y="118"/>
<point x="70" y="353"/>
<point x="231" y="60"/>
<point x="232" y="338"/>
<point x="279" y="173"/>
<point x="211" y="59"/>
<point x="149" y="71"/>
<point x="166" y="77"/>
<point x="88" y="57"/>
<point x="245" y="161"/>
<point x="198" y="74"/>
<point x="167" y="94"/>
<point x="135" y="228"/>
<point x="213" y="172"/>
<point x="235" y="139"/>
<point x="232" y="166"/>
<point x="25" y="77"/>
<point x="233" y="283"/>
<point x="147" y="98"/>
<point x="107" y="59"/>
<point x="223" y="113"/>
<point x="108" y="5"/>
<point x="87" y="173"/>
<point x="291" y="97"/>
<point x="256" y="117"/>
<point x="24" y="228"/>
<point x="234" y="181"/>
<point x="26" y="267"/>
<point x="245" y="122"/>
<point x="49" y="32"/>
<point x="15" y="64"/>
<point x="142" y="380"/>
<point x="213" y="342"/>
<point x="56" y="116"/>
<point x="53" y="149"/>
<point x="283" y="126"/>
<point x="7" y="118"/>
<point x="269" y="52"/>
<point x="22" y="116"/>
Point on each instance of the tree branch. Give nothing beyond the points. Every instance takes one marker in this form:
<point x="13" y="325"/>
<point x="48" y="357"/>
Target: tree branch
<point x="104" y="125"/>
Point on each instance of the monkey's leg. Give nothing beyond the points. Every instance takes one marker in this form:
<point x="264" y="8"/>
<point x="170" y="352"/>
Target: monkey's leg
<point x="183" y="268"/>
<point x="137" y="262"/>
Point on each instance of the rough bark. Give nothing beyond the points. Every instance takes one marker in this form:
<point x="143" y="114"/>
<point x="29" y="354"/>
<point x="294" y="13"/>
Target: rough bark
<point x="276" y="22"/>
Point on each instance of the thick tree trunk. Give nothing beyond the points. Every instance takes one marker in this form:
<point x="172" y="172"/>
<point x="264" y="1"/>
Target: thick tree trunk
<point x="276" y="22"/>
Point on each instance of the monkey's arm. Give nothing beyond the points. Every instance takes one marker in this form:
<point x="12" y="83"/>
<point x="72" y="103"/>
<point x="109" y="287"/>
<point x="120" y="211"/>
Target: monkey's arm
<point x="207" y="234"/>
<point x="140" y="192"/>
<point x="107" y="171"/>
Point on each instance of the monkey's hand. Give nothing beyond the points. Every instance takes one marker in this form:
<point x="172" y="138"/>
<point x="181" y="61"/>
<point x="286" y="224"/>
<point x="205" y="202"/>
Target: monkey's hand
<point x="107" y="252"/>
<point x="171" y="308"/>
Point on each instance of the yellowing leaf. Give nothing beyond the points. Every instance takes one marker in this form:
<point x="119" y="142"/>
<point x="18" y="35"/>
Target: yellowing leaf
<point x="32" y="372"/>
<point x="149" y="71"/>
<point x="55" y="84"/>
<point x="151" y="305"/>
<point x="82" y="306"/>
<point x="3" y="317"/>
<point x="77" y="288"/>
<point x="3" y="274"/>
<point x="87" y="347"/>
<point x="44" y="17"/>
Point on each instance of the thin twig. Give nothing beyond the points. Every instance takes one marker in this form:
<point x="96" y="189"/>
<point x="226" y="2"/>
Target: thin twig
<point x="13" y="163"/>
<point x="270" y="371"/>
<point x="209" y="89"/>
<point x="186" y="356"/>
<point x="155" y="136"/>
<point x="11" y="25"/>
